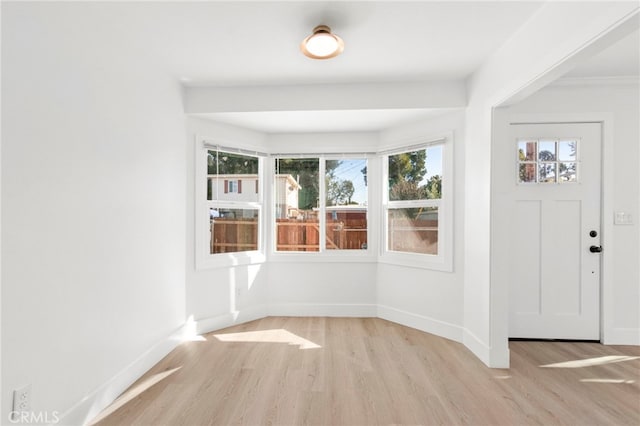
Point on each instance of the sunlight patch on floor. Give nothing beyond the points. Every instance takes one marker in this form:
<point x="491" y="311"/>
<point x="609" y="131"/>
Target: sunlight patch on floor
<point x="502" y="377"/>
<point x="133" y="392"/>
<point x="628" y="382"/>
<point x="268" y="336"/>
<point x="590" y="362"/>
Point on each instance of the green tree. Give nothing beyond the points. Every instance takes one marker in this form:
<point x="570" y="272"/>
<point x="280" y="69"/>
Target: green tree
<point x="407" y="166"/>
<point x="433" y="188"/>
<point x="546" y="170"/>
<point x="522" y="171"/>
<point x="307" y="172"/>
<point x="339" y="192"/>
<point x="406" y="190"/>
<point x="225" y="163"/>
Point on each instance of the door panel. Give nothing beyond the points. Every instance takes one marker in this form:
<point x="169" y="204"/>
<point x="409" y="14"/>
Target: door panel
<point x="525" y="268"/>
<point x="555" y="198"/>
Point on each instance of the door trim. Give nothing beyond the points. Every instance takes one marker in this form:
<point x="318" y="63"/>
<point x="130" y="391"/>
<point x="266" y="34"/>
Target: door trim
<point x="606" y="120"/>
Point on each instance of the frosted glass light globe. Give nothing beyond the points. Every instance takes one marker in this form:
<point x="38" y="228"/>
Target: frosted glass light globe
<point x="322" y="44"/>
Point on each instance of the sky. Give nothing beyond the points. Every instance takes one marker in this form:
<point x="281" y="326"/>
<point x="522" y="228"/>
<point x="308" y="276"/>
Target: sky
<point x="350" y="169"/>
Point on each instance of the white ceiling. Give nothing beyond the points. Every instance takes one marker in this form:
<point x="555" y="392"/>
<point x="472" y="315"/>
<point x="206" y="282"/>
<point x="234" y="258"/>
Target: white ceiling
<point x="244" y="43"/>
<point x="249" y="43"/>
<point x="622" y="59"/>
<point x="388" y="41"/>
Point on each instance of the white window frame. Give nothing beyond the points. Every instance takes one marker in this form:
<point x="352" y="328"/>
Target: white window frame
<point x="363" y="255"/>
<point x="443" y="261"/>
<point x="204" y="259"/>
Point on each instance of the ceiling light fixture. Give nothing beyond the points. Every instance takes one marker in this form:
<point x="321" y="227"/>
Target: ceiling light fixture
<point x="322" y="44"/>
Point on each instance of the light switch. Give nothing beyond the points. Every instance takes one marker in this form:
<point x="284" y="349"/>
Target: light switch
<point x="623" y="218"/>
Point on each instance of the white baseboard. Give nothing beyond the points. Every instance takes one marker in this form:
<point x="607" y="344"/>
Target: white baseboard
<point x="477" y="346"/>
<point x="91" y="405"/>
<point x="422" y="323"/>
<point x="323" y="310"/>
<point x="622" y="336"/>
<point x="206" y="325"/>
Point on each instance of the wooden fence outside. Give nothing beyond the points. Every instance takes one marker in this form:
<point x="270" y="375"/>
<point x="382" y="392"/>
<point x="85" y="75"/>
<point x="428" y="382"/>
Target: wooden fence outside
<point x="230" y="235"/>
<point x="233" y="235"/>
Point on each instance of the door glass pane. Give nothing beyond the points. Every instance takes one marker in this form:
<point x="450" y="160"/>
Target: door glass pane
<point x="547" y="151"/>
<point x="526" y="151"/>
<point x="296" y="204"/>
<point x="527" y="172"/>
<point x="346" y="204"/>
<point x="567" y="172"/>
<point x="413" y="230"/>
<point x="567" y="150"/>
<point x="547" y="172"/>
<point x="233" y="230"/>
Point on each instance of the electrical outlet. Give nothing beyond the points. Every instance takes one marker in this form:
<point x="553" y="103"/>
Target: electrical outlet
<point x="22" y="399"/>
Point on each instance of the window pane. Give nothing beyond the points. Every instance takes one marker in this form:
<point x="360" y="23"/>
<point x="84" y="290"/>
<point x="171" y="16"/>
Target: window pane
<point x="547" y="151"/>
<point x="297" y="235"/>
<point x="231" y="177"/>
<point x="568" y="172"/>
<point x="547" y="173"/>
<point x="233" y="230"/>
<point x="567" y="150"/>
<point x="346" y="201"/>
<point x="527" y="151"/>
<point x="416" y="175"/>
<point x="346" y="227"/>
<point x="413" y="230"/>
<point x="527" y="172"/>
<point x="296" y="202"/>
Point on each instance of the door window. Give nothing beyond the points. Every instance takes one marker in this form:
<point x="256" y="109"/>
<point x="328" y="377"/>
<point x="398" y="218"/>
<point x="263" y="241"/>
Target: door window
<point x="547" y="161"/>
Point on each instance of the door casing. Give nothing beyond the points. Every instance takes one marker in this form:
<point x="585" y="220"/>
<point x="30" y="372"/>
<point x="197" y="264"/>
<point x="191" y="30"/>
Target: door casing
<point x="501" y="120"/>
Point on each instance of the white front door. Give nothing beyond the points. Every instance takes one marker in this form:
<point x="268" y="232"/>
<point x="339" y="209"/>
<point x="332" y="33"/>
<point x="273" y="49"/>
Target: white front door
<point x="554" y="265"/>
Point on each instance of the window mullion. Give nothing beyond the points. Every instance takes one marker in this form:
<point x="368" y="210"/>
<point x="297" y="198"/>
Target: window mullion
<point x="322" y="204"/>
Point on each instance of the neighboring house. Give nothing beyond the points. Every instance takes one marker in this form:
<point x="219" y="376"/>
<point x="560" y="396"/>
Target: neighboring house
<point x="236" y="187"/>
<point x="233" y="187"/>
<point x="286" y="194"/>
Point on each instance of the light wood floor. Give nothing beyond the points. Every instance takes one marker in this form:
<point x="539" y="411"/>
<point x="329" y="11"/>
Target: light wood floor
<point x="349" y="371"/>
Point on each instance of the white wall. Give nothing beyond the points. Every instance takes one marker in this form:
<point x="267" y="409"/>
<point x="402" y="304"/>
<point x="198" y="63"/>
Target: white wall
<point x="299" y="288"/>
<point x="547" y="48"/>
<point x="621" y="290"/>
<point x="218" y="297"/>
<point x="93" y="187"/>
<point x="425" y="299"/>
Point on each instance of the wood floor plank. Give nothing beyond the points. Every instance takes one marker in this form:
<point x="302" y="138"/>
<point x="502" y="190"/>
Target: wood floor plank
<point x="368" y="371"/>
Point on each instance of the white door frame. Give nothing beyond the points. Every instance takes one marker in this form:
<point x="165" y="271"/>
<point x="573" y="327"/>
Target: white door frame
<point x="607" y="209"/>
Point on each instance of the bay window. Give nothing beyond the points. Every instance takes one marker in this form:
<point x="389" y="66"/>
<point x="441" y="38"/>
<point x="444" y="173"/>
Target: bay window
<point x="320" y="196"/>
<point x="319" y="206"/>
